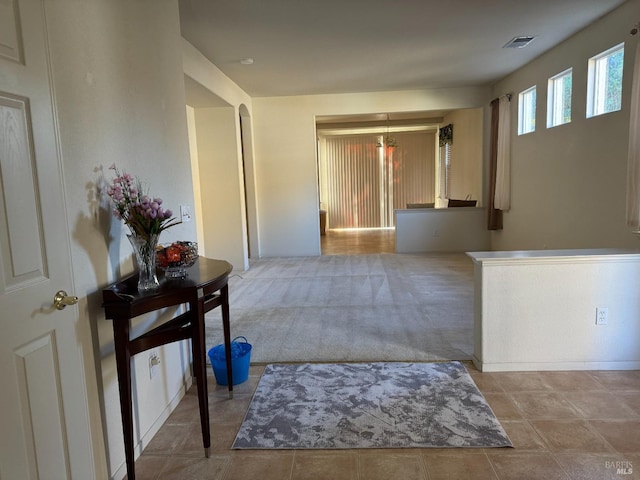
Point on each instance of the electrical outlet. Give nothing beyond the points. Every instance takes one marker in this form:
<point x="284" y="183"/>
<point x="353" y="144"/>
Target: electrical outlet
<point x="154" y="364"/>
<point x="185" y="213"/>
<point x="602" y="315"/>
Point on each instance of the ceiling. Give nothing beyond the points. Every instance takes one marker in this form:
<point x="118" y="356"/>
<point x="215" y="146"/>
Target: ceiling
<point x="304" y="47"/>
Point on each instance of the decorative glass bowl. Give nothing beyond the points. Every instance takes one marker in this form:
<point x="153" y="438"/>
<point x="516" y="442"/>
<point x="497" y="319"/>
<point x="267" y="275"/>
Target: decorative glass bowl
<point x="176" y="257"/>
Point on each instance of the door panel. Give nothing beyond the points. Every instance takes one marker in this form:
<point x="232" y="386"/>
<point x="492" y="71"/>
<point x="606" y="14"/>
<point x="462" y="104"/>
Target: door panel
<point x="40" y="394"/>
<point x="21" y="239"/>
<point x="10" y="37"/>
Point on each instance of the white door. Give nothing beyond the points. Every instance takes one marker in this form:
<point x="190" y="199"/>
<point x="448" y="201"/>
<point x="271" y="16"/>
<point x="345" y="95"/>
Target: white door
<point x="44" y="420"/>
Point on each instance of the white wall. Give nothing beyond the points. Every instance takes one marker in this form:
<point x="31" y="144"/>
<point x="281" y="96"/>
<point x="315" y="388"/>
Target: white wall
<point x="459" y="229"/>
<point x="286" y="165"/>
<point x="466" y="166"/>
<point x="537" y="310"/>
<point x="220" y="176"/>
<point x="222" y="199"/>
<point x="119" y="90"/>
<point x="195" y="176"/>
<point x="568" y="183"/>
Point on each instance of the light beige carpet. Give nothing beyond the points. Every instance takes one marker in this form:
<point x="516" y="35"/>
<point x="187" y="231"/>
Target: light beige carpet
<point x="352" y="308"/>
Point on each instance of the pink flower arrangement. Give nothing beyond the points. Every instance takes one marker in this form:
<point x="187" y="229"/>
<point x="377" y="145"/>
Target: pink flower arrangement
<point x="144" y="215"/>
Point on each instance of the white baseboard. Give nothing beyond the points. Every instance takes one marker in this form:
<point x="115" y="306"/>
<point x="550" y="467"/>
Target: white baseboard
<point x="553" y="366"/>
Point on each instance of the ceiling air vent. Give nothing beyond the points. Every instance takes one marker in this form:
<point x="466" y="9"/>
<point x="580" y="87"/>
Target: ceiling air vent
<point x="519" y="42"/>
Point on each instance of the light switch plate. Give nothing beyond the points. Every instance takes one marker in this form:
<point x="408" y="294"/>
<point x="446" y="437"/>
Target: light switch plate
<point x="185" y="213"/>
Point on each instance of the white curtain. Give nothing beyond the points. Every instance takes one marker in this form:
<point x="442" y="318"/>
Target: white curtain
<point x="633" y="165"/>
<point x="502" y="199"/>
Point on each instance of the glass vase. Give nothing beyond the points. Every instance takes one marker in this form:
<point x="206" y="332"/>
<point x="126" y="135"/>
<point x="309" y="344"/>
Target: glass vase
<point x="145" y="251"/>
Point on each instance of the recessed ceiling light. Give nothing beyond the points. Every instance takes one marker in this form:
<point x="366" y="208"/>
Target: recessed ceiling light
<point x="247" y="61"/>
<point x="519" y="42"/>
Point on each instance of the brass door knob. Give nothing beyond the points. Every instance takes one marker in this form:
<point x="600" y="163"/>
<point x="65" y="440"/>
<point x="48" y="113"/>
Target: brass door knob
<point x="61" y="300"/>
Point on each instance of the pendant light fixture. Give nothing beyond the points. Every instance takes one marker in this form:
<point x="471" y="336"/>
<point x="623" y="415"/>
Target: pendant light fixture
<point x="389" y="141"/>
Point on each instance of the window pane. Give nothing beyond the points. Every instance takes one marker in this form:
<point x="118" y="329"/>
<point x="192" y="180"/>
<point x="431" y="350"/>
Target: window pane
<point x="566" y="98"/>
<point x="559" y="99"/>
<point x="613" y="84"/>
<point x="527" y="111"/>
<point x="605" y="82"/>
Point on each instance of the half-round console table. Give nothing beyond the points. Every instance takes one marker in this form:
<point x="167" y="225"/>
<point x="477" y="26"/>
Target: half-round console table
<point x="204" y="288"/>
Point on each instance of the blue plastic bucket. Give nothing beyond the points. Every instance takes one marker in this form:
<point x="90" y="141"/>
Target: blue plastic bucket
<point x="240" y="360"/>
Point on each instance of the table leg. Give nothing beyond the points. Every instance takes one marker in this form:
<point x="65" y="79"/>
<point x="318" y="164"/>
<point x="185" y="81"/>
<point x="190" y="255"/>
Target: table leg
<point x="123" y="365"/>
<point x="200" y="371"/>
<point x="224" y="293"/>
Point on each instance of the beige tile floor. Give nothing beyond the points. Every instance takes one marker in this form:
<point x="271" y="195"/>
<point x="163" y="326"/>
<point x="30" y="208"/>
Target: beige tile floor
<point x="564" y="425"/>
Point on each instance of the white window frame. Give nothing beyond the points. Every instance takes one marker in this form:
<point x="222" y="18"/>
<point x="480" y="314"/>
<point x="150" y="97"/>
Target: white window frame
<point x="556" y="91"/>
<point x="597" y="82"/>
<point x="527" y="111"/>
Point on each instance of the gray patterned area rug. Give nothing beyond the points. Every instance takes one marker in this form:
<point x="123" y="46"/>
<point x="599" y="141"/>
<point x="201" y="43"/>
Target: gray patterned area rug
<point x="369" y="405"/>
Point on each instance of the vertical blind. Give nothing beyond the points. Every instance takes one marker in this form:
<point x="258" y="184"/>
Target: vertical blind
<point x="365" y="183"/>
<point x="444" y="175"/>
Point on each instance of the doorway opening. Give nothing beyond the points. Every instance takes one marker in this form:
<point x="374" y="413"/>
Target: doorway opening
<point x="367" y="169"/>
